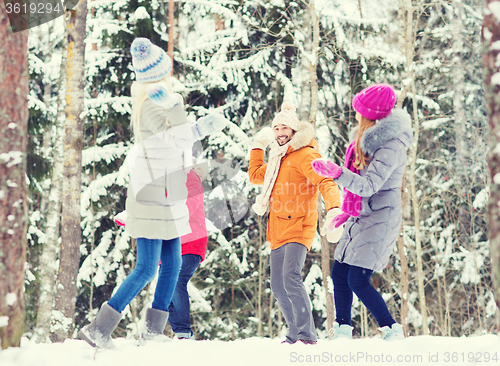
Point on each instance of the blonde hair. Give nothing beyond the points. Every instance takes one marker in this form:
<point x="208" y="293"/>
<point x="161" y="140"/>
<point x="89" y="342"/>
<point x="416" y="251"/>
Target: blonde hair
<point x="361" y="158"/>
<point x="139" y="96"/>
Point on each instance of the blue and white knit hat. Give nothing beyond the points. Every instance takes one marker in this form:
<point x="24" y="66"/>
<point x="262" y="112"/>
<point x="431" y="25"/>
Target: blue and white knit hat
<point x="150" y="62"/>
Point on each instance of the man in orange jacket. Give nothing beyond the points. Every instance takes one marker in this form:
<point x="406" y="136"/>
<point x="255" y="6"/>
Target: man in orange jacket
<point x="291" y="191"/>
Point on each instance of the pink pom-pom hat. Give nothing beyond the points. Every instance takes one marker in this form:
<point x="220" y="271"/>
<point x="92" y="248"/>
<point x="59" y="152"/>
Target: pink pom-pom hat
<point x="375" y="102"/>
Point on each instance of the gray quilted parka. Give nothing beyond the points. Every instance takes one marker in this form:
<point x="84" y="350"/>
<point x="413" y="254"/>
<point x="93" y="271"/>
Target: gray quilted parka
<point x="368" y="240"/>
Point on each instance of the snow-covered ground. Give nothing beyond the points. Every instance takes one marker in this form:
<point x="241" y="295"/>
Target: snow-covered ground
<point x="419" y="350"/>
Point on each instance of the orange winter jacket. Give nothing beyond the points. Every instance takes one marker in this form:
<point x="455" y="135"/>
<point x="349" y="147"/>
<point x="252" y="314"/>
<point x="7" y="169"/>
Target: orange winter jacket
<point x="293" y="214"/>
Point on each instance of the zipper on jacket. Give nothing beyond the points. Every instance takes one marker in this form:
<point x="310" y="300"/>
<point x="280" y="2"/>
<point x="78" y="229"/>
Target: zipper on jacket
<point x="350" y="240"/>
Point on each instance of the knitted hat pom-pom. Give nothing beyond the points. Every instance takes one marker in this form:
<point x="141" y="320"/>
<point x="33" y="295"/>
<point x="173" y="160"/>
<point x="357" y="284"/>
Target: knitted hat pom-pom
<point x="288" y="106"/>
<point x="141" y="48"/>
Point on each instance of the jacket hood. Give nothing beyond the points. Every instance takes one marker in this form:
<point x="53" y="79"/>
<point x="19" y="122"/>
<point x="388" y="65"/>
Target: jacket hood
<point x="303" y="136"/>
<point x="396" y="125"/>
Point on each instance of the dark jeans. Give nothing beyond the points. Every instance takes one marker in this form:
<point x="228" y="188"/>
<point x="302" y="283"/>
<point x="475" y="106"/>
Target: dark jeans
<point x="179" y="309"/>
<point x="348" y="279"/>
<point x="149" y="253"/>
<point x="288" y="288"/>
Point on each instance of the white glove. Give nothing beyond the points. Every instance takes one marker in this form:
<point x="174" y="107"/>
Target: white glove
<point x="201" y="169"/>
<point x="263" y="138"/>
<point x="120" y="218"/>
<point x="210" y="123"/>
<point x="332" y="236"/>
<point x="159" y="94"/>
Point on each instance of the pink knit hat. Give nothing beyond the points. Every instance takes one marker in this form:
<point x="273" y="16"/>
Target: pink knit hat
<point x="375" y="102"/>
<point x="287" y="116"/>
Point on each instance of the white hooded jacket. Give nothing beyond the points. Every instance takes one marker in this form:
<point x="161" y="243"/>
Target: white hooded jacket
<point x="158" y="163"/>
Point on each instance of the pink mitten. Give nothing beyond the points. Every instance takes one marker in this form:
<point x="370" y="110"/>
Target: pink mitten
<point x="338" y="220"/>
<point x="326" y="168"/>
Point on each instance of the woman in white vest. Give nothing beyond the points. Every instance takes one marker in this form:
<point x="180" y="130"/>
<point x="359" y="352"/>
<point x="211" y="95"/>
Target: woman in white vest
<point x="157" y="215"/>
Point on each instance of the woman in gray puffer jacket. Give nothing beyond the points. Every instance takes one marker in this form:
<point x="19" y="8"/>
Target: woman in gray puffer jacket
<point x="371" y="232"/>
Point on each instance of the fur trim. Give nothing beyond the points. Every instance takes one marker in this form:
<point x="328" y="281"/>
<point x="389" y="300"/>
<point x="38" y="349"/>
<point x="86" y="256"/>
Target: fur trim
<point x="396" y="125"/>
<point x="303" y="136"/>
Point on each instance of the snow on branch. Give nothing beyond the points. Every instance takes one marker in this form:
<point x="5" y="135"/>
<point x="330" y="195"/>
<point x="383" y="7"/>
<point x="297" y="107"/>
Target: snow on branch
<point x="107" y="153"/>
<point x="97" y="188"/>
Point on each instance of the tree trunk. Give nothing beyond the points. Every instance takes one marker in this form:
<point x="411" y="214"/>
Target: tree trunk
<point x="305" y="49"/>
<point x="460" y="166"/>
<point x="325" y="271"/>
<point x="51" y="246"/>
<point x="364" y="321"/>
<point x="458" y="82"/>
<point x="404" y="288"/>
<point x="491" y="37"/>
<point x="416" y="215"/>
<point x="270" y="318"/>
<point x="310" y="48"/>
<point x="404" y="284"/>
<point x="439" y="300"/>
<point x="261" y="276"/>
<point x="400" y="242"/>
<point x="13" y="200"/>
<point x="312" y="61"/>
<point x="410" y="47"/>
<point x="69" y="256"/>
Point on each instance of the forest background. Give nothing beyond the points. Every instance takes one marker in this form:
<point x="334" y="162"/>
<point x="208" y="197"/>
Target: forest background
<point x="243" y="59"/>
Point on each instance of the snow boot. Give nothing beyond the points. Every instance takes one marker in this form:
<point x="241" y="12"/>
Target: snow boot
<point x="98" y="333"/>
<point x="392" y="333"/>
<point x="340" y="331"/>
<point x="185" y="335"/>
<point x="154" y="325"/>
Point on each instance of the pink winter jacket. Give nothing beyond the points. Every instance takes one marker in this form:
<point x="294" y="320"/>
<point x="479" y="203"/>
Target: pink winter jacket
<point x="196" y="241"/>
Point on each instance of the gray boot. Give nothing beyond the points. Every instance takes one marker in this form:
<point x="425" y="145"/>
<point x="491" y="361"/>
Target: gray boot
<point x="154" y="325"/>
<point x="98" y="333"/>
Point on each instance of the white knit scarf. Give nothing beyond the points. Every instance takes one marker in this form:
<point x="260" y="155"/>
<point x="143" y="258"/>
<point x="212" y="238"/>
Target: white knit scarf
<point x="273" y="167"/>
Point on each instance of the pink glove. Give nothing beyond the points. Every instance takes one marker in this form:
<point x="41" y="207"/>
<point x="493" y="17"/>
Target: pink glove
<point x="338" y="220"/>
<point x="326" y="168"/>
